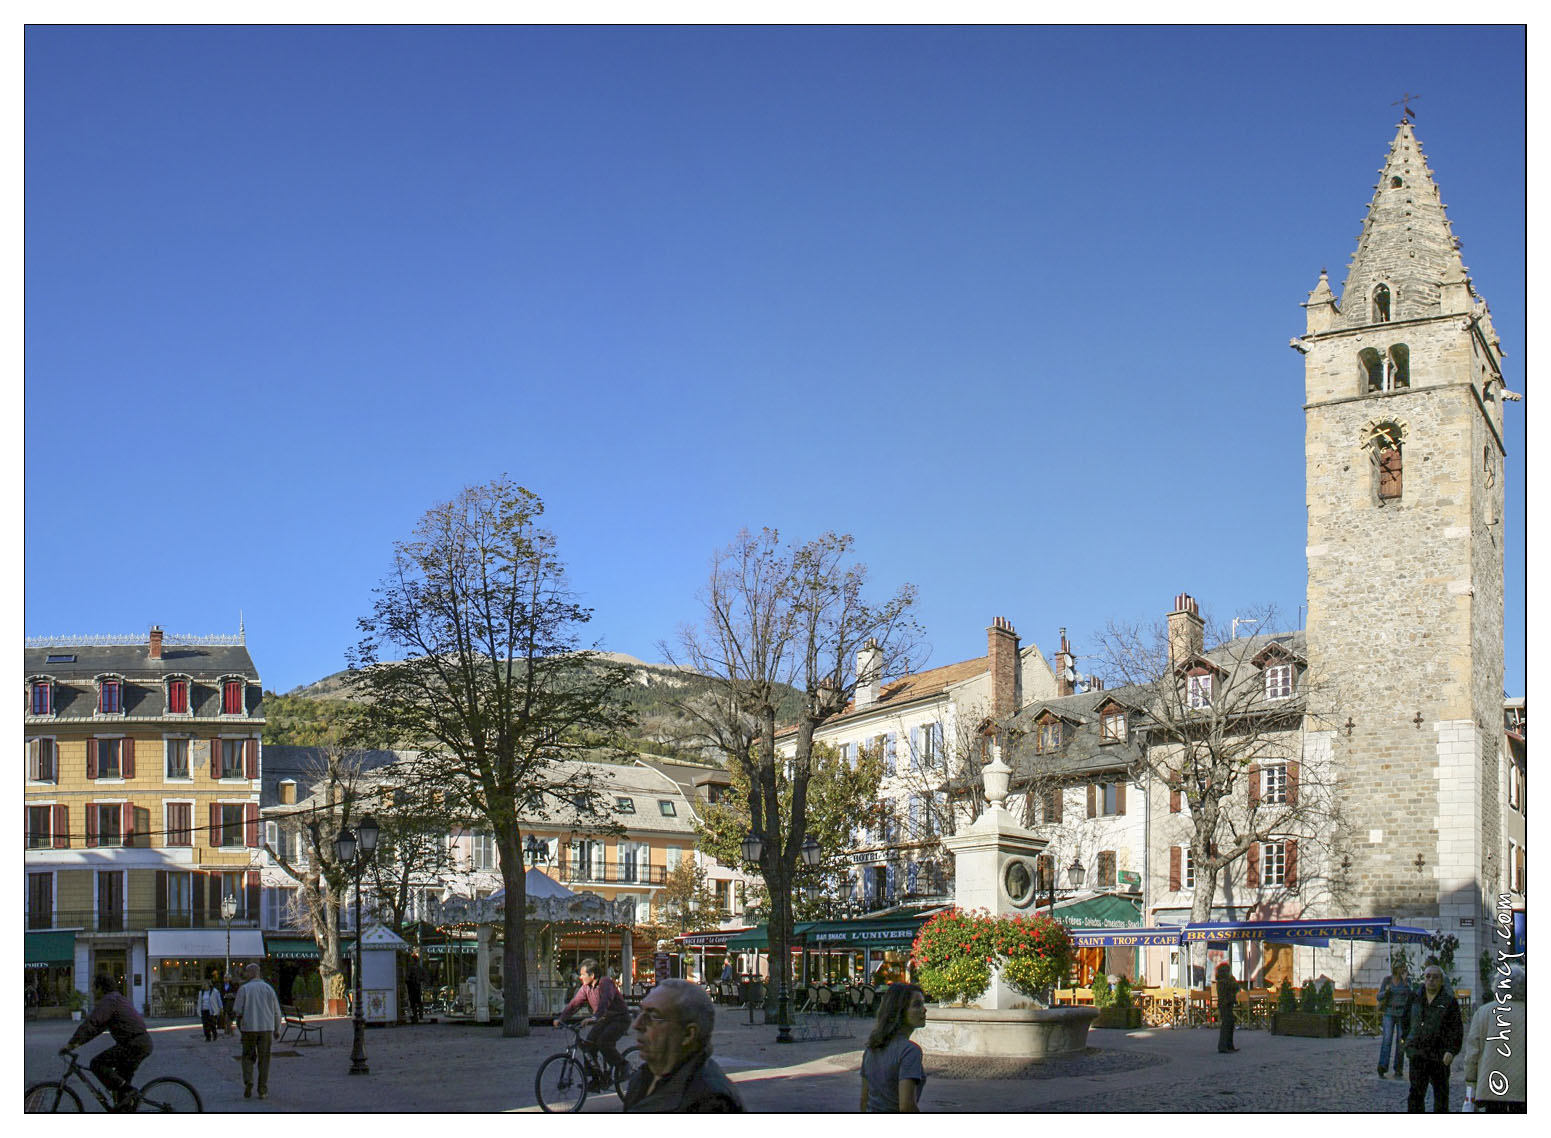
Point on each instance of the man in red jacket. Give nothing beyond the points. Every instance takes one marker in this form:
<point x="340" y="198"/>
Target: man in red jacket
<point x="610" y="1018"/>
<point x="116" y="1065"/>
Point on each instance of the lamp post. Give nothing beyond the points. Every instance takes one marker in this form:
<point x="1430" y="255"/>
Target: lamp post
<point x="228" y="911"/>
<point x="354" y="851"/>
<point x="1075" y="874"/>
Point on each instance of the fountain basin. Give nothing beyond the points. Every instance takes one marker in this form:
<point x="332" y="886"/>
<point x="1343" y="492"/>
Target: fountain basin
<point x="1026" y="1033"/>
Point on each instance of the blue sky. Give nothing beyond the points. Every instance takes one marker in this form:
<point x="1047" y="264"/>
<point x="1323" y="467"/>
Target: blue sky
<point x="1010" y="305"/>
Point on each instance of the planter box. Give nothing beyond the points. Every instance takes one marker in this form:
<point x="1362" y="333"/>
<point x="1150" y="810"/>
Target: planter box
<point x="1312" y="1025"/>
<point x="1123" y="1018"/>
<point x="309" y="1005"/>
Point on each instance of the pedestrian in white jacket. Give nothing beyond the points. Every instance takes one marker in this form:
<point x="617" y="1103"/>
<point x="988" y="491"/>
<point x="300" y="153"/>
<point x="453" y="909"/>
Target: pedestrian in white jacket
<point x="210" y="1007"/>
<point x="258" y="1015"/>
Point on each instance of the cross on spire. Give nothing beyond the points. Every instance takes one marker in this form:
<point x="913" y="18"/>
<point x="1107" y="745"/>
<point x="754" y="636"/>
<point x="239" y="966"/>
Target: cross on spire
<point x="1405" y="102"/>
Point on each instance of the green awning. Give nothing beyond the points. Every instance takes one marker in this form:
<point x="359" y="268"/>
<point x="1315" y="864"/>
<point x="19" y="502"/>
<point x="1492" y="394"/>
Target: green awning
<point x="51" y="947"/>
<point x="887" y="932"/>
<point x="1104" y="912"/>
<point x="758" y="937"/>
<point x="291" y="947"/>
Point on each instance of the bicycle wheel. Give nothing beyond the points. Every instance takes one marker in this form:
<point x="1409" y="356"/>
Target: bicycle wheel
<point x="630" y="1059"/>
<point x="170" y="1096"/>
<point x="52" y="1098"/>
<point x="561" y="1084"/>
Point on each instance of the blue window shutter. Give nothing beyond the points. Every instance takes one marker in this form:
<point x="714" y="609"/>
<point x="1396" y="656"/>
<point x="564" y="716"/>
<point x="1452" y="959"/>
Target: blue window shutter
<point x="915" y="747"/>
<point x="912" y="875"/>
<point x="889" y="887"/>
<point x="890" y="748"/>
<point x="937" y="750"/>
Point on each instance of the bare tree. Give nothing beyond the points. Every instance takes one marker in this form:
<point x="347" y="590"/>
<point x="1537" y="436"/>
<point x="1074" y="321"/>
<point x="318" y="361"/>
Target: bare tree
<point x="785" y="614"/>
<point x="493" y="683"/>
<point x="1236" y="729"/>
<point x="414" y="820"/>
<point x="687" y="896"/>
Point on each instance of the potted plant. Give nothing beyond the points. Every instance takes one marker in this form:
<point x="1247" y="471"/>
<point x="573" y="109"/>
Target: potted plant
<point x="76" y="1002"/>
<point x="1313" y="1016"/>
<point x="1118" y="1010"/>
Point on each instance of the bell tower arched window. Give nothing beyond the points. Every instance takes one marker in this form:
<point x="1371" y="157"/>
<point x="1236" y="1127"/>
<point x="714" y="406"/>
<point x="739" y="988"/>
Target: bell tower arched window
<point x="1371" y="364"/>
<point x="1381" y="304"/>
<point x="1399" y="369"/>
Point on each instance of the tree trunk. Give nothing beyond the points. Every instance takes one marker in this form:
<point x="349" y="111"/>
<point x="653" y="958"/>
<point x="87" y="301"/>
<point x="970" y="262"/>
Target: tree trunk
<point x="514" y="957"/>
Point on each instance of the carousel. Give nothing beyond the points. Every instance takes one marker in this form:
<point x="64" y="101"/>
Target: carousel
<point x="556" y="916"/>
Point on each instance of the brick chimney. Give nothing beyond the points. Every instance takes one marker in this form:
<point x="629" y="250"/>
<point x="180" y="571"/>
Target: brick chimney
<point x="1187" y="631"/>
<point x="1006" y="676"/>
<point x="1066" y="668"/>
<point x="869" y="674"/>
<point x="156" y="642"/>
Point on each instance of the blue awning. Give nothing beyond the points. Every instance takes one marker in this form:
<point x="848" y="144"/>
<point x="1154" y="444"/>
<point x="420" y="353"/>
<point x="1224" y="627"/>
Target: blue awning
<point x="1123" y="938"/>
<point x="1305" y="932"/>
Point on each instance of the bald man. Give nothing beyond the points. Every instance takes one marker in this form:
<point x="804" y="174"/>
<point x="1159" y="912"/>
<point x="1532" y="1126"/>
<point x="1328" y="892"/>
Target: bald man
<point x="257" y="1010"/>
<point x="674" y="1034"/>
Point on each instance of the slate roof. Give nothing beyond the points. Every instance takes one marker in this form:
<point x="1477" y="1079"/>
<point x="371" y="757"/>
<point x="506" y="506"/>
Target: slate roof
<point x="75" y="689"/>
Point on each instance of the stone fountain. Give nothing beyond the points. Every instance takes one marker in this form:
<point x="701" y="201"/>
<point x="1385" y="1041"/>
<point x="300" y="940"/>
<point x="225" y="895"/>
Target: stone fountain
<point x="994" y="870"/>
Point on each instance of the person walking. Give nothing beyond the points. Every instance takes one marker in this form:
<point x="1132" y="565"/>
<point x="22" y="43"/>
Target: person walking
<point x="1435" y="1038"/>
<point x="1495" y="1076"/>
<point x="678" y="1075"/>
<point x="228" y="999"/>
<point x="257" y="1009"/>
<point x="1394" y="1001"/>
<point x="1227" y="996"/>
<point x="210" y="1010"/>
<point x="892" y="1069"/>
<point x="414" y="982"/>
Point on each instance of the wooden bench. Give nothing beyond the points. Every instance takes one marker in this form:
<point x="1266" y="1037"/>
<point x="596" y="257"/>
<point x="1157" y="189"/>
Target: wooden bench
<point x="295" y="1021"/>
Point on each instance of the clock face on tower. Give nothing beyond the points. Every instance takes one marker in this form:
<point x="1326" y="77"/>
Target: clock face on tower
<point x="1018" y="882"/>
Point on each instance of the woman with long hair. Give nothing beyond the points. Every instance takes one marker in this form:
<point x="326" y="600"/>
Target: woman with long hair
<point x="892" y="1071"/>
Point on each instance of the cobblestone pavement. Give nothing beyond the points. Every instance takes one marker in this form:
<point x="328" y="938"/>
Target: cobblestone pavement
<point x="451" y="1068"/>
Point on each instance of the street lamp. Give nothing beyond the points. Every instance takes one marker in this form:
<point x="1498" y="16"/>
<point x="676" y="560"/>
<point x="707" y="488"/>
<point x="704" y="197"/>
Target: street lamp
<point x="1075" y="875"/>
<point x="228" y="911"/>
<point x="354" y="850"/>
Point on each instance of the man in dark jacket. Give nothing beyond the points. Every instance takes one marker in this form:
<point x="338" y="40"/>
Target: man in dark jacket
<point x="1435" y="1037"/>
<point x="116" y="1065"/>
<point x="674" y="1034"/>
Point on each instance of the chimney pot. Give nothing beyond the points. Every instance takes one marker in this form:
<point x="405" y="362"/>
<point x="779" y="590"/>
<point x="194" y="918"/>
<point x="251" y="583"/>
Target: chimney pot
<point x="156" y="642"/>
<point x="1006" y="676"/>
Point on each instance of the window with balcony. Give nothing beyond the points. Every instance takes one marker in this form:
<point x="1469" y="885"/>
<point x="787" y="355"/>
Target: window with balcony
<point x="177" y="758"/>
<point x="40" y="827"/>
<point x="110" y="899"/>
<point x="235" y="758"/>
<point x="233" y="825"/>
<point x="40" y="900"/>
<point x="108" y="827"/>
<point x="109" y="755"/>
<point x="42" y="761"/>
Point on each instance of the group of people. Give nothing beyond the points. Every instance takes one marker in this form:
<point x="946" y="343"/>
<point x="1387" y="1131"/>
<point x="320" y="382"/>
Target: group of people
<point x="1425" y="1024"/>
<point x="674" y="1027"/>
<point x="254" y="1008"/>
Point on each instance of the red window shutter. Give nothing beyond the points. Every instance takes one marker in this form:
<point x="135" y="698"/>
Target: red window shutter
<point x="197" y="900"/>
<point x="1291" y="872"/>
<point x="1254" y="785"/>
<point x="126" y="757"/>
<point x="215" y="825"/>
<point x="161" y="897"/>
<point x="1174" y="797"/>
<point x="1120" y="797"/>
<point x="1091" y="807"/>
<point x="1389" y="472"/>
<point x="1252" y="873"/>
<point x="1055" y="799"/>
<point x="61" y="827"/>
<point x="1292" y="782"/>
<point x="250" y="758"/>
<point x="253" y="826"/>
<point x="91" y="824"/>
<point x="1176" y="868"/>
<point x="91" y="758"/>
<point x="215" y="760"/>
<point x="253" y="892"/>
<point x="126" y="814"/>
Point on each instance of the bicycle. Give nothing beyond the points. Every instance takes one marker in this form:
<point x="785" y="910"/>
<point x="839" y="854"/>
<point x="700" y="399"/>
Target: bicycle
<point x="165" y="1095"/>
<point x="565" y="1078"/>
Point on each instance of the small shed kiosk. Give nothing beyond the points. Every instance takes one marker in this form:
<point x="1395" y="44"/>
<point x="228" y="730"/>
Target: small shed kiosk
<point x="380" y="948"/>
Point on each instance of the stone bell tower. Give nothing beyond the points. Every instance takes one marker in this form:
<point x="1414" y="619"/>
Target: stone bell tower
<point x="1404" y="465"/>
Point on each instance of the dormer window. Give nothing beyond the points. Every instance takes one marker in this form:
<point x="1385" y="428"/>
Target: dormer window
<point x="1279" y="681"/>
<point x="1381" y="304"/>
<point x="667" y="808"/>
<point x="1049" y="736"/>
<point x="624" y="805"/>
<point x="110" y="697"/>
<point x="232" y="692"/>
<point x="1112" y="725"/>
<point x="42" y="697"/>
<point x="177" y="696"/>
<point x="1199" y="691"/>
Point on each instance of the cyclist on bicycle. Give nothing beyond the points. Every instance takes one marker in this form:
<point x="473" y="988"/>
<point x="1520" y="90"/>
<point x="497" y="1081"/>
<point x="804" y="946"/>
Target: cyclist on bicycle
<point x="610" y="1018"/>
<point x="116" y="1065"/>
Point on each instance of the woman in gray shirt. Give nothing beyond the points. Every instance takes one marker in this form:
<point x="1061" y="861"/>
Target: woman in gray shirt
<point x="892" y="1072"/>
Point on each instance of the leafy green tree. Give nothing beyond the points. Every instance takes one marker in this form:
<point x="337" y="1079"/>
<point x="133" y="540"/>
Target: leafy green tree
<point x="687" y="896"/>
<point x="471" y="653"/>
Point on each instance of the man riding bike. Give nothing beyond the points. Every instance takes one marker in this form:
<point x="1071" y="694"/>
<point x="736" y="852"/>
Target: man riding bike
<point x="610" y="1018"/>
<point x="116" y="1065"/>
